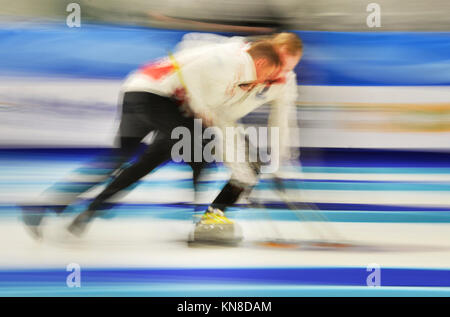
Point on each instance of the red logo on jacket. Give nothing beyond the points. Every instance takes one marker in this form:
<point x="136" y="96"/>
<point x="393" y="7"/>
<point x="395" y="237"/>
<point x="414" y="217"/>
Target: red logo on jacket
<point x="158" y="69"/>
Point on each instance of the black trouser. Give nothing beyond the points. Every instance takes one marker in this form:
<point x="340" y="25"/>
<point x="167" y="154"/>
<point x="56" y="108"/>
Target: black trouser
<point x="149" y="112"/>
<point x="132" y="130"/>
<point x="233" y="189"/>
<point x="163" y="115"/>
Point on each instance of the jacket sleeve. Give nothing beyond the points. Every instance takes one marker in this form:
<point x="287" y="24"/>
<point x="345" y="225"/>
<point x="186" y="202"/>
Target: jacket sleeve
<point x="283" y="115"/>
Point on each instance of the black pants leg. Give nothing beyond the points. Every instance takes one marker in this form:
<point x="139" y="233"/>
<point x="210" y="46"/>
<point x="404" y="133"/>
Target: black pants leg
<point x="232" y="190"/>
<point x="131" y="132"/>
<point x="163" y="115"/>
<point x="229" y="194"/>
<point x="156" y="154"/>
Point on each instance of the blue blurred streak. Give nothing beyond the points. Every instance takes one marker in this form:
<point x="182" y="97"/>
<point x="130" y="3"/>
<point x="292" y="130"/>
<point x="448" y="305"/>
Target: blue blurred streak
<point x="330" y="58"/>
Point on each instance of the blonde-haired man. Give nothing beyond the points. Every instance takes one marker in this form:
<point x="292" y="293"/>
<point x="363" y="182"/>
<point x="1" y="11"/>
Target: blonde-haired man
<point x="160" y="96"/>
<point x="219" y="83"/>
<point x="282" y="93"/>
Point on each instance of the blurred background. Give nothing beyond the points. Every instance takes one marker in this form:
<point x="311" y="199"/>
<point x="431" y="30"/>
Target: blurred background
<point x="321" y="15"/>
<point x="387" y="83"/>
<point x="374" y="127"/>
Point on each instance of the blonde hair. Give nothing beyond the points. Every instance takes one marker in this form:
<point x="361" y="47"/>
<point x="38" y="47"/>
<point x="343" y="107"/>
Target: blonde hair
<point x="265" y="50"/>
<point x="289" y="41"/>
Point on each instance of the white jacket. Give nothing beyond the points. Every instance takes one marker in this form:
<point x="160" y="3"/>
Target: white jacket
<point x="209" y="79"/>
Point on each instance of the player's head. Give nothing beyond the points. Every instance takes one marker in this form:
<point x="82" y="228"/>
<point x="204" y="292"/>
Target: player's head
<point x="290" y="49"/>
<point x="266" y="59"/>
